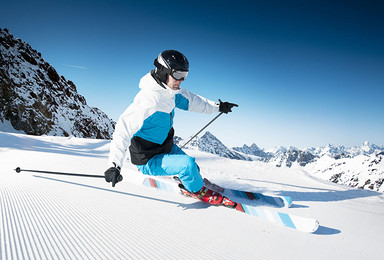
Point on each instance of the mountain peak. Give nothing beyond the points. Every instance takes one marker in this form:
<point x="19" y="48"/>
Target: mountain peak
<point x="211" y="144"/>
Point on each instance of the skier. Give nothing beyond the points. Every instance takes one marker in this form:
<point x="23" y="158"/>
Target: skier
<point x="145" y="128"/>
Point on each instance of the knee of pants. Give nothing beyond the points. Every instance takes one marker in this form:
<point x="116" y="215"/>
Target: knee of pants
<point x="190" y="175"/>
<point x="189" y="163"/>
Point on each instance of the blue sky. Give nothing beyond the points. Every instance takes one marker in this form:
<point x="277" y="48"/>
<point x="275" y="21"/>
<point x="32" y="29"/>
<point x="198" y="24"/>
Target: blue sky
<point x="304" y="73"/>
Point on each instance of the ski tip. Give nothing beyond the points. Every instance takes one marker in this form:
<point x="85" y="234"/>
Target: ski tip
<point x="307" y="225"/>
<point x="316" y="227"/>
<point x="311" y="228"/>
<point x="288" y="201"/>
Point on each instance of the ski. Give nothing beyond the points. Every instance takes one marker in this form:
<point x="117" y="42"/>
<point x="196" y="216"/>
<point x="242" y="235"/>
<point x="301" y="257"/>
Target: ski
<point x="304" y="224"/>
<point x="283" y="219"/>
<point x="244" y="196"/>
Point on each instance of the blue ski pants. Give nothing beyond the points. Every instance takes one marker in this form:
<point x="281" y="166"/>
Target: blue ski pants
<point x="175" y="163"/>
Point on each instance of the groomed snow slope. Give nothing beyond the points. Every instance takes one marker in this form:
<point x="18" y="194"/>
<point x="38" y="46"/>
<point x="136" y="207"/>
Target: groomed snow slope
<point x="61" y="217"/>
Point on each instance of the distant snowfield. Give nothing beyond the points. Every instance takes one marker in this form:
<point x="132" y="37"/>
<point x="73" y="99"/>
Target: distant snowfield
<point x="61" y="217"/>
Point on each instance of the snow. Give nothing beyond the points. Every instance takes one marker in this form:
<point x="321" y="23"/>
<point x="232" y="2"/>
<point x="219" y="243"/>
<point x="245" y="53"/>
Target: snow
<point x="6" y="126"/>
<point x="361" y="171"/>
<point x="61" y="217"/>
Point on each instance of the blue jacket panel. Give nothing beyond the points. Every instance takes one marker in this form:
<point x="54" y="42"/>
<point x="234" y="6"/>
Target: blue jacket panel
<point x="156" y="127"/>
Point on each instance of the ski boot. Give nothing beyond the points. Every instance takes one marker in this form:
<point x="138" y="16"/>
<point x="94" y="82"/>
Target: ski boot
<point x="207" y="184"/>
<point x="208" y="196"/>
<point x="212" y="186"/>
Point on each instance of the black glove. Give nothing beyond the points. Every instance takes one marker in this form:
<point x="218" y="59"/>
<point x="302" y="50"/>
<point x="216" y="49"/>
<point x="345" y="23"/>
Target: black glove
<point x="226" y="107"/>
<point x="113" y="175"/>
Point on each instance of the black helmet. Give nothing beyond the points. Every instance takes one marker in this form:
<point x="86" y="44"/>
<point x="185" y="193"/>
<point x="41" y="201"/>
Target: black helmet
<point x="171" y="62"/>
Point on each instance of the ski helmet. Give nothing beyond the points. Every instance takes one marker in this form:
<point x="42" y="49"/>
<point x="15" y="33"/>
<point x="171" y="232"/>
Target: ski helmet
<point x="171" y="62"/>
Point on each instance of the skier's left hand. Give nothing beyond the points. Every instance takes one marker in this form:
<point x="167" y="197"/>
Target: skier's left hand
<point x="226" y="107"/>
<point x="113" y="175"/>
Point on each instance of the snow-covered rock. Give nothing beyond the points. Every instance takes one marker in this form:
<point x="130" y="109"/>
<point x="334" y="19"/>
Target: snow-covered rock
<point x="36" y="100"/>
<point x="291" y="156"/>
<point x="253" y="150"/>
<point x="361" y="171"/>
<point x="279" y="156"/>
<point x="209" y="143"/>
<point x="339" y="151"/>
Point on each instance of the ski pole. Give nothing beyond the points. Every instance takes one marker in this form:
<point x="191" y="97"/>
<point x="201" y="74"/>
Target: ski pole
<point x="202" y="129"/>
<point x="60" y="173"/>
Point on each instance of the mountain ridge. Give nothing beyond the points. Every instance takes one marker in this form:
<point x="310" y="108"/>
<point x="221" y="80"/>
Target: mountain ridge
<point x="361" y="167"/>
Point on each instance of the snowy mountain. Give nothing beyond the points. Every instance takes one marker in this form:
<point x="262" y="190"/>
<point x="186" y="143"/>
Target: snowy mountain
<point x="361" y="167"/>
<point x="290" y="156"/>
<point x="361" y="171"/>
<point x="35" y="100"/>
<point x="253" y="150"/>
<point x="279" y="156"/>
<point x="340" y="151"/>
<point x="209" y="143"/>
<point x="287" y="156"/>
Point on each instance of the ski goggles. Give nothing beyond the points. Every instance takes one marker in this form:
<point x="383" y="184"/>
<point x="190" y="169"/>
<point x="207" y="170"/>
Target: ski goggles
<point x="178" y="74"/>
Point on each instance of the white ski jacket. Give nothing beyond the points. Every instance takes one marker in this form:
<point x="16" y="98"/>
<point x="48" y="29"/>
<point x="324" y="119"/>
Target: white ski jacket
<point x="146" y="126"/>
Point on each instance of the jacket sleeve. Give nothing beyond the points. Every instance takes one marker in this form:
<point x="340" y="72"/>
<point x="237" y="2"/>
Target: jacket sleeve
<point x="195" y="103"/>
<point x="128" y="124"/>
<point x="121" y="140"/>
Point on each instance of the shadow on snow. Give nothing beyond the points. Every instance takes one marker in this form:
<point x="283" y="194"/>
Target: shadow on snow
<point x="21" y="142"/>
<point x="320" y="194"/>
<point x="196" y="205"/>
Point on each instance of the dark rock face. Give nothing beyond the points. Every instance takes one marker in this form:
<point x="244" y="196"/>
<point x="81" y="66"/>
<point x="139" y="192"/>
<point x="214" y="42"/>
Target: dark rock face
<point x="36" y="100"/>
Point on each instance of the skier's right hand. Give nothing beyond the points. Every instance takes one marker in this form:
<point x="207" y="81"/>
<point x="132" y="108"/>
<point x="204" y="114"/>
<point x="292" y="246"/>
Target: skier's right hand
<point x="226" y="107"/>
<point x="113" y="175"/>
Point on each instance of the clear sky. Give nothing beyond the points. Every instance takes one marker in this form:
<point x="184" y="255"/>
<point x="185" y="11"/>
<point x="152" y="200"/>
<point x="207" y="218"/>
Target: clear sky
<point x="304" y="73"/>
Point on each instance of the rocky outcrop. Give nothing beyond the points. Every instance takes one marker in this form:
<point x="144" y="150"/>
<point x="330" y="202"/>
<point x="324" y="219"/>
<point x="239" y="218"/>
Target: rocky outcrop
<point x="35" y="99"/>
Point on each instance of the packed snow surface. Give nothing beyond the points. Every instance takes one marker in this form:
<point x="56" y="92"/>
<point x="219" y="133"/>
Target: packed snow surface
<point x="64" y="217"/>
